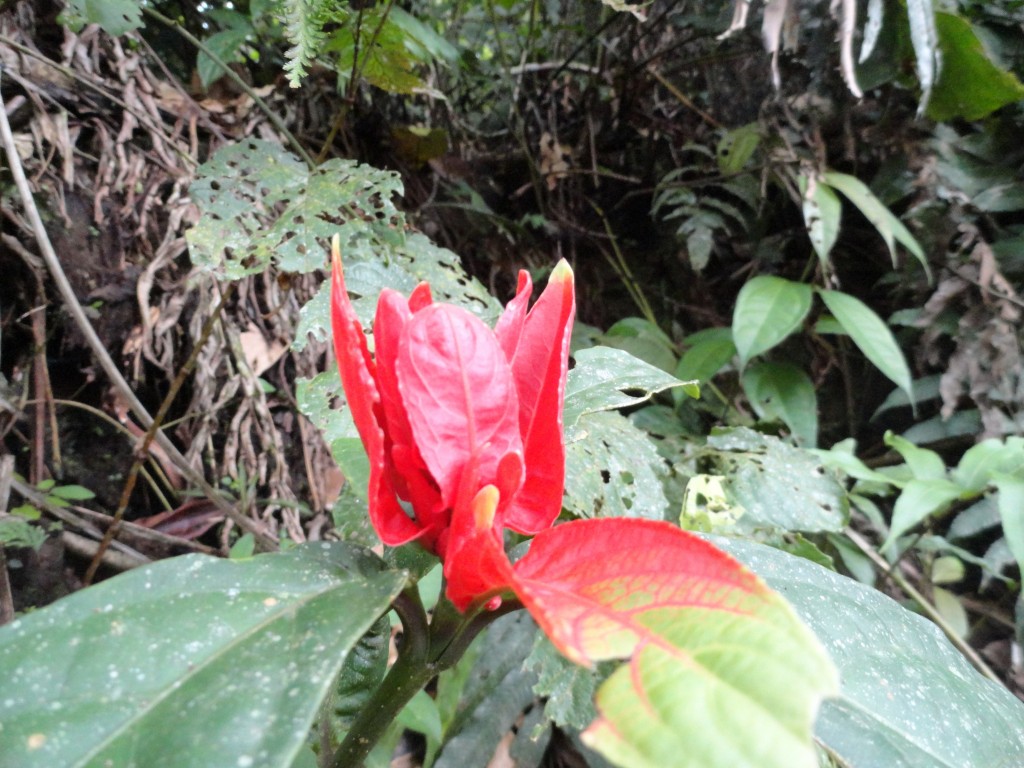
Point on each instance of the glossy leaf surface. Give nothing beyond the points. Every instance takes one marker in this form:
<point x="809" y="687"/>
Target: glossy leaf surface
<point x="686" y="615"/>
<point x="871" y="335"/>
<point x="606" y="379"/>
<point x="103" y="677"/>
<point x="768" y="309"/>
<point x="784" y="392"/>
<point x="970" y="85"/>
<point x="909" y="699"/>
<point x="889" y="227"/>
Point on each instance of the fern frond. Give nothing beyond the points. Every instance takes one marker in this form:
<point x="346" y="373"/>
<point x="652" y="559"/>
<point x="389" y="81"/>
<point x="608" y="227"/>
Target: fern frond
<point x="304" y="22"/>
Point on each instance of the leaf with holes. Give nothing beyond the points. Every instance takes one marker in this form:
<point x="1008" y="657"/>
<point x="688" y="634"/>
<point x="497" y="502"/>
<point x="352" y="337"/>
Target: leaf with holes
<point x="606" y="379"/>
<point x="613" y="470"/>
<point x="116" y="17"/>
<point x="780" y="487"/>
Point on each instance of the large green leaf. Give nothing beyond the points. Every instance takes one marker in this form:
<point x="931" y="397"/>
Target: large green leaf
<point x="707" y="353"/>
<point x="908" y="698"/>
<point x="721" y="673"/>
<point x="606" y="379"/>
<point x="779" y="487"/>
<point x="783" y="391"/>
<point x="768" y="309"/>
<point x="1011" y="512"/>
<point x="190" y="661"/>
<point x="871" y="335"/>
<point x="642" y="339"/>
<point x="982" y="461"/>
<point x="924" y="464"/>
<point x="889" y="227"/>
<point x="970" y="85"/>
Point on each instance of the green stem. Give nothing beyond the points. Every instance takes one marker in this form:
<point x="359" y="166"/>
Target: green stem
<point x="422" y="657"/>
<point x="405" y="679"/>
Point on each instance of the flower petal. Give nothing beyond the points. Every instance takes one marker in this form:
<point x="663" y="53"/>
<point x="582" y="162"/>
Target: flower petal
<point x="358" y="379"/>
<point x="540" y="366"/>
<point x="475" y="564"/>
<point x="405" y="467"/>
<point x="458" y="394"/>
<point x="510" y="325"/>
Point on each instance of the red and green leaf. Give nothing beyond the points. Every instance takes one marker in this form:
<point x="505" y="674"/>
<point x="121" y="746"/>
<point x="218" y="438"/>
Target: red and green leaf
<point x="713" y="651"/>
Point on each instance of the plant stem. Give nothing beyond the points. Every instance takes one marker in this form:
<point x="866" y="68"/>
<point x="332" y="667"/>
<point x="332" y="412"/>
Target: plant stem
<point x="405" y="679"/>
<point x="422" y="657"/>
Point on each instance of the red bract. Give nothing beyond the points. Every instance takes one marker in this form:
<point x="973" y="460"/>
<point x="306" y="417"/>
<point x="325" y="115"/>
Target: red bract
<point x="462" y="424"/>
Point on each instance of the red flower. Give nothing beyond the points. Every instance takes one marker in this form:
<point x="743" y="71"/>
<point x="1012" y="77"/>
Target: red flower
<point x="462" y="424"/>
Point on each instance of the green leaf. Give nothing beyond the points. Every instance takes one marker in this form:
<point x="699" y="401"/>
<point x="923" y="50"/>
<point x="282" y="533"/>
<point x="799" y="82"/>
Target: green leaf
<point x="822" y="215"/>
<point x="983" y="460"/>
<point x="116" y="17"/>
<point x="1011" y="511"/>
<point x="924" y="464"/>
<point x="889" y="227"/>
<point x="720" y="673"/>
<point x="612" y="469"/>
<point x="106" y="677"/>
<point x="737" y="147"/>
<point x="783" y="391"/>
<point x="908" y="699"/>
<point x="568" y="689"/>
<point x="925" y="40"/>
<point x="72" y="493"/>
<point x="709" y="351"/>
<point x="244" y="548"/>
<point x="606" y="379"/>
<point x="314" y="397"/>
<point x="768" y="309"/>
<point x="970" y="85"/>
<point x="225" y="45"/>
<point x="642" y="339"/>
<point x="421" y="715"/>
<point x="919" y="500"/>
<point x="779" y="487"/>
<point x="16" y="532"/>
<point x="871" y="335"/>
<point x="242" y="185"/>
